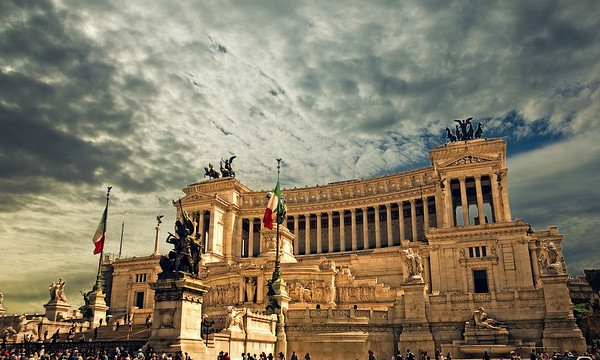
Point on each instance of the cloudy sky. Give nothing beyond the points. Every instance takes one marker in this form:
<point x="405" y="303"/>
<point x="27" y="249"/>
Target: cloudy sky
<point x="141" y="95"/>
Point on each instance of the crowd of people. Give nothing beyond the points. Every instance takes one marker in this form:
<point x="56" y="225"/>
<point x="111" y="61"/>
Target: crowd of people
<point x="70" y="352"/>
<point x="97" y="353"/>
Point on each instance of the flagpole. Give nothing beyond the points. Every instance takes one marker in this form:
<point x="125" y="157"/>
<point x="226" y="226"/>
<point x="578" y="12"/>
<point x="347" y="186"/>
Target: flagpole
<point x="277" y="270"/>
<point x="98" y="285"/>
<point x="121" y="244"/>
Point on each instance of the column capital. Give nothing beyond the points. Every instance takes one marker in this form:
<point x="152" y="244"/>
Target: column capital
<point x="462" y="178"/>
<point x="412" y="201"/>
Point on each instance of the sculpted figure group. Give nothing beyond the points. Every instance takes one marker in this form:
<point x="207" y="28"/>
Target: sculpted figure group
<point x="549" y="259"/>
<point x="57" y="291"/>
<point x="414" y="265"/>
<point x="186" y="254"/>
<point x="225" y="167"/>
<point x="464" y="131"/>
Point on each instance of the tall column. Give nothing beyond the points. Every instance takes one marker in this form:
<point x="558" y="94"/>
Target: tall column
<point x="330" y="231"/>
<point x="238" y="235"/>
<point x="365" y="229"/>
<point x="534" y="265"/>
<point x="388" y="223"/>
<point x="497" y="205"/>
<point x="401" y="221"/>
<point x="251" y="237"/>
<point x="413" y="218"/>
<point x="342" y="230"/>
<point x="319" y="240"/>
<point x="427" y="270"/>
<point x="504" y="194"/>
<point x="463" y="201"/>
<point x="426" y="213"/>
<point x="296" y="238"/>
<point x="377" y="230"/>
<point x="480" y="212"/>
<point x="201" y="224"/>
<point x="156" y="242"/>
<point x="353" y="214"/>
<point x="307" y="234"/>
<point x="449" y="204"/>
<point x="211" y="230"/>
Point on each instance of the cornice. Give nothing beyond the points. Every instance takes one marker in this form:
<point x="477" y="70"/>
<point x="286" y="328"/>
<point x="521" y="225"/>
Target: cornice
<point x="489" y="231"/>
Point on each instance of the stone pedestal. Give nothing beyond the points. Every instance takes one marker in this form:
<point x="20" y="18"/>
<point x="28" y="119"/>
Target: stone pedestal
<point x="560" y="330"/>
<point x="57" y="310"/>
<point x="98" y="306"/>
<point x="268" y="239"/>
<point x="482" y="336"/>
<point x="178" y="314"/>
<point x="416" y="334"/>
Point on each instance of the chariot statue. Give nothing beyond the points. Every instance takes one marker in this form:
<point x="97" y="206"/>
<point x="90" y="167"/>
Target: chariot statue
<point x="464" y="131"/>
<point x="227" y="167"/>
<point x="210" y="172"/>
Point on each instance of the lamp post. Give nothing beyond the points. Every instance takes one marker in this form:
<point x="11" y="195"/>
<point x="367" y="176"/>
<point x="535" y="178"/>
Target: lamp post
<point x="207" y="328"/>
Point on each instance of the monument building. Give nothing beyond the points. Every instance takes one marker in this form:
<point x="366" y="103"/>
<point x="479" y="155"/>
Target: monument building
<point x="424" y="259"/>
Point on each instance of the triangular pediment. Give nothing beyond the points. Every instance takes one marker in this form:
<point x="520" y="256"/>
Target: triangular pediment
<point x="467" y="160"/>
<point x="194" y="197"/>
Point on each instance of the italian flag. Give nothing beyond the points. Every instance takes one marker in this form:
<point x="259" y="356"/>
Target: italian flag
<point x="100" y="234"/>
<point x="273" y="208"/>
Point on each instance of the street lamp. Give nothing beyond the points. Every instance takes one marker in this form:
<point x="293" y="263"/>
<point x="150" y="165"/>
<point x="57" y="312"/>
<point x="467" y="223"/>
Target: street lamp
<point x="207" y="328"/>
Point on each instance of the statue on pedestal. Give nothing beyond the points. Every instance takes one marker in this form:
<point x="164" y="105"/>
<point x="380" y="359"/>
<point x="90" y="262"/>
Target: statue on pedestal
<point x="57" y="291"/>
<point x="549" y="259"/>
<point x="186" y="255"/>
<point x="86" y="310"/>
<point x="414" y="265"/>
<point x="482" y="320"/>
<point x="235" y="319"/>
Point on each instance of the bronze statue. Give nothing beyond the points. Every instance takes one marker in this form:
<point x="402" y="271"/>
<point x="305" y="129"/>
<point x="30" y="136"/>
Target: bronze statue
<point x="464" y="131"/>
<point x="227" y="170"/>
<point x="210" y="172"/>
<point x="449" y="135"/>
<point x="479" y="131"/>
<point x="86" y="310"/>
<point x="185" y="256"/>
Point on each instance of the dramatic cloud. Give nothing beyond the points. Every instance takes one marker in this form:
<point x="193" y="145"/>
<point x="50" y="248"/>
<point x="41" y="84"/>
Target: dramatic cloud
<point x="143" y="95"/>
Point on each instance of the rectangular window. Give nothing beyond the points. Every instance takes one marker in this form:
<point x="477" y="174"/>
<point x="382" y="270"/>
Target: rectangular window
<point x="480" y="281"/>
<point x="477" y="251"/>
<point x="139" y="299"/>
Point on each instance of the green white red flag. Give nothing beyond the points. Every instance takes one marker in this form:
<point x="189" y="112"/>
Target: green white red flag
<point x="273" y="208"/>
<point x="100" y="234"/>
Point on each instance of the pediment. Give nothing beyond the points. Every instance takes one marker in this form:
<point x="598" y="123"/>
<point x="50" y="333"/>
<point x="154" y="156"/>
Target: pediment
<point x="467" y="160"/>
<point x="194" y="197"/>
